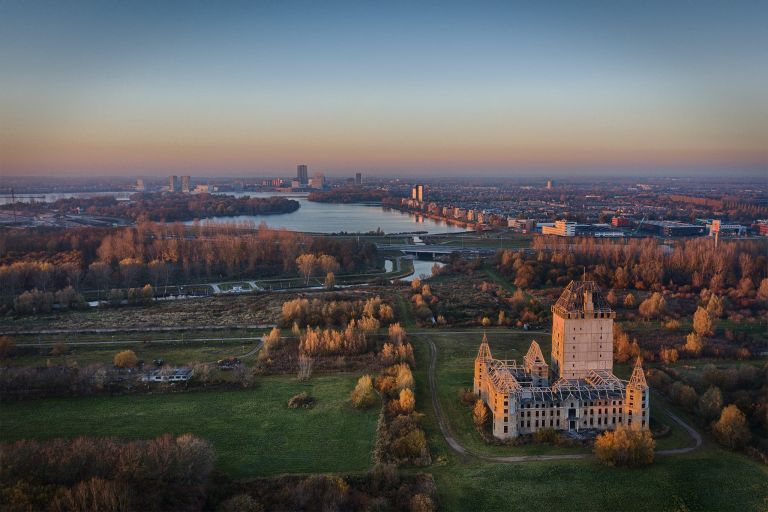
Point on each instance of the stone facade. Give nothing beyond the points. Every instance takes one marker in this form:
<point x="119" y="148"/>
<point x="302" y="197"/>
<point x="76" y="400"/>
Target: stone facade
<point x="585" y="394"/>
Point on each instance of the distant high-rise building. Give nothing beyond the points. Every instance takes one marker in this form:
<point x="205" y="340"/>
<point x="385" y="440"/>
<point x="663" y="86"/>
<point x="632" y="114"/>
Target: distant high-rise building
<point x="420" y="193"/>
<point x="301" y="174"/>
<point x="414" y="193"/>
<point x="173" y="184"/>
<point x="185" y="184"/>
<point x="140" y="187"/>
<point x="358" y="178"/>
<point x="550" y="184"/>
<point x="317" y="181"/>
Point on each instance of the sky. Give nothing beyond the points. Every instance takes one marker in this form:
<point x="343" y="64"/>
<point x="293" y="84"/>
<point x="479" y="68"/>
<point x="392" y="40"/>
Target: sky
<point x="388" y="88"/>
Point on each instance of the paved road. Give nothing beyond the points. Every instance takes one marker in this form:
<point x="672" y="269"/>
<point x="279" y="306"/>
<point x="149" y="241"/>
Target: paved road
<point x="462" y="450"/>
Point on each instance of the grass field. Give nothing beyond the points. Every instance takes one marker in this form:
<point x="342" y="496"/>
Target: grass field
<point x="707" y="479"/>
<point x="253" y="430"/>
<point x="173" y="354"/>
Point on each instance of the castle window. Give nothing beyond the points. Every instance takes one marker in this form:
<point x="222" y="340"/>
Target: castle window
<point x="599" y="421"/>
<point x="643" y="422"/>
<point x="591" y="421"/>
<point x="529" y="423"/>
<point x="522" y="424"/>
<point x="537" y="423"/>
<point x="506" y="429"/>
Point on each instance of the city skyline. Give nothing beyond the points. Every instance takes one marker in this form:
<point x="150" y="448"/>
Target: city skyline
<point x="493" y="90"/>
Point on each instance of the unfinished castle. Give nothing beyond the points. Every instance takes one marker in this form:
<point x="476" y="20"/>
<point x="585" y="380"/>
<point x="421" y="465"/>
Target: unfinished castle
<point x="585" y="394"/>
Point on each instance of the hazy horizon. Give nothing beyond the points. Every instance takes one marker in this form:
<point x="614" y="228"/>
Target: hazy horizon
<point x="395" y="89"/>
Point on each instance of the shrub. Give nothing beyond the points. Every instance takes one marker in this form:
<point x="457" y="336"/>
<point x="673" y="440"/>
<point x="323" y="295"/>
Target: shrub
<point x="702" y="322"/>
<point x="301" y="401"/>
<point x="126" y="359"/>
<point x="546" y="435"/>
<point x="240" y="503"/>
<point x="624" y="447"/>
<point x="59" y="349"/>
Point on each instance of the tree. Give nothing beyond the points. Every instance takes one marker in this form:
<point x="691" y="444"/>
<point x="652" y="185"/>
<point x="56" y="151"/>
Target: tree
<point x="306" y="263"/>
<point x="7" y="346"/>
<point x="762" y="292"/>
<point x="126" y="359"/>
<point x="404" y="377"/>
<point x="731" y="430"/>
<point x="363" y="396"/>
<point x="486" y="321"/>
<point x="611" y="298"/>
<point x="305" y="367"/>
<point x="694" y="344"/>
<point x="480" y="414"/>
<point x="502" y="318"/>
<point x="406" y="401"/>
<point x="629" y="301"/>
<point x="397" y="334"/>
<point x="271" y="341"/>
<point x="330" y="281"/>
<point x="328" y="263"/>
<point x="653" y="306"/>
<point x="715" y="306"/>
<point x="624" y="447"/>
<point x="710" y="403"/>
<point x="702" y="323"/>
<point x="669" y="355"/>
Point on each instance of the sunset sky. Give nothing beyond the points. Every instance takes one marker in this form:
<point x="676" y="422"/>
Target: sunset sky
<point x="443" y="88"/>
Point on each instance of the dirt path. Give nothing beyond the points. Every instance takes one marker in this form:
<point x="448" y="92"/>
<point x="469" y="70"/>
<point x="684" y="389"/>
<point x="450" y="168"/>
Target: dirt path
<point x="461" y="450"/>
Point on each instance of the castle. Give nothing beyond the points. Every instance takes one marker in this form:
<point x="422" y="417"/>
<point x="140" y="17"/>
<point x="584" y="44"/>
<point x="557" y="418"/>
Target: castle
<point x="585" y="395"/>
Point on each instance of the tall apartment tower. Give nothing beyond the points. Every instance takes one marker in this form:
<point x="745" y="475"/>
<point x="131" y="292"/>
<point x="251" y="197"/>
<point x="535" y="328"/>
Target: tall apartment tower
<point x="420" y="192"/>
<point x="185" y="180"/>
<point x="358" y="178"/>
<point x="582" y="331"/>
<point x="414" y="193"/>
<point x="550" y="184"/>
<point x="302" y="174"/>
<point x="173" y="184"/>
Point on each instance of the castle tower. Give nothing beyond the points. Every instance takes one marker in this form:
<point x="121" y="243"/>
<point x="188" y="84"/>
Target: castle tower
<point x="637" y="405"/>
<point x="536" y="365"/>
<point x="483" y="356"/>
<point x="582" y="331"/>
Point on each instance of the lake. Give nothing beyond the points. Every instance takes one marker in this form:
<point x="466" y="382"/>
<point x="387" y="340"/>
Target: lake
<point x="334" y="218"/>
<point x="311" y="217"/>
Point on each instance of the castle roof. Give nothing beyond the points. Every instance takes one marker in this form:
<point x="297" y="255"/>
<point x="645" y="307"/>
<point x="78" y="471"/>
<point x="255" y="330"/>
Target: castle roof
<point x="581" y="297"/>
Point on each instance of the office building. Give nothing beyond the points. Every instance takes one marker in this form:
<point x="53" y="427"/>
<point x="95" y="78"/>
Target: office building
<point x="173" y="184"/>
<point x="561" y="228"/>
<point x="185" y="182"/>
<point x="301" y="174"/>
<point x="358" y="178"/>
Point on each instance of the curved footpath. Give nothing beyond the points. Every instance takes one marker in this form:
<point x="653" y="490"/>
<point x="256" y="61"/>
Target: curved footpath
<point x="461" y="450"/>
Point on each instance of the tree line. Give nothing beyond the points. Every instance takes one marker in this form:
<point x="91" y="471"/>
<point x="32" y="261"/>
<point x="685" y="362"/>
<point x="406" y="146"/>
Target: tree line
<point x="168" y="207"/>
<point x="163" y="254"/>
<point x="106" y="474"/>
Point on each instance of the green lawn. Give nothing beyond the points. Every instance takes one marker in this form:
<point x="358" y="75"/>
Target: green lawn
<point x="707" y="479"/>
<point x="174" y="354"/>
<point x="253" y="430"/>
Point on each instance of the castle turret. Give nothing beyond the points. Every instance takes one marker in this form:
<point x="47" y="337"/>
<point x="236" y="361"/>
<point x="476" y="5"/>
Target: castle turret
<point x="481" y="361"/>
<point x="536" y="365"/>
<point x="637" y="399"/>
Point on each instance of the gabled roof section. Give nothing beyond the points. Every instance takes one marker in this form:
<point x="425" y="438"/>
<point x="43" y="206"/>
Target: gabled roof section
<point x="581" y="297"/>
<point x="534" y="354"/>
